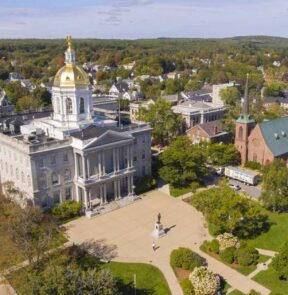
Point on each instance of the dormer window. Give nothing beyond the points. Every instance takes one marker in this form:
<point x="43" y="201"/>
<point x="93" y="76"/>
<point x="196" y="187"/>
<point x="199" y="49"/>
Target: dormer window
<point x="283" y="133"/>
<point x="276" y="135"/>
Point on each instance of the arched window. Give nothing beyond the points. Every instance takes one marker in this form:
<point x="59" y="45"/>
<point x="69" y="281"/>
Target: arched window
<point x="54" y="177"/>
<point x="69" y="109"/>
<point x="241" y="132"/>
<point x="82" y="105"/>
<point x="67" y="175"/>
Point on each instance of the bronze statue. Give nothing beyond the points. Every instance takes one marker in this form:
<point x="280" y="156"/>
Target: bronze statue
<point x="159" y="218"/>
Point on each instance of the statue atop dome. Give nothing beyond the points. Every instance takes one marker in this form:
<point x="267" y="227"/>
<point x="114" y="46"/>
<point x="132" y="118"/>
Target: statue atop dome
<point x="69" y="41"/>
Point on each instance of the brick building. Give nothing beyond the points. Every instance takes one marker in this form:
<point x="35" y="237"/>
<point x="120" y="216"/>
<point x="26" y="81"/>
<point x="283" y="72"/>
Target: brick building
<point x="261" y="143"/>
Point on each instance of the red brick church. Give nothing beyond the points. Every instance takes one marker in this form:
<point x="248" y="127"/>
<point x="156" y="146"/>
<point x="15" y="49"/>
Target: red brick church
<point x="263" y="142"/>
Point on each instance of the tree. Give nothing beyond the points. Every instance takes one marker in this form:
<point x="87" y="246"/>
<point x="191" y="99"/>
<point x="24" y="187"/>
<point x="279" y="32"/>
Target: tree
<point x="223" y="154"/>
<point x="43" y="95"/>
<point x="182" y="162"/>
<point x="230" y="96"/>
<point x="33" y="232"/>
<point x="275" y="189"/>
<point x="280" y="263"/>
<point x="14" y="91"/>
<point x="165" y="124"/>
<point x="273" y="89"/>
<point x="28" y="103"/>
<point x="228" y="212"/>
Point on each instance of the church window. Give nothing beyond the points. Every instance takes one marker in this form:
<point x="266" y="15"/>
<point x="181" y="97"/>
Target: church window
<point x="69" y="106"/>
<point x="241" y="132"/>
<point x="82" y="105"/>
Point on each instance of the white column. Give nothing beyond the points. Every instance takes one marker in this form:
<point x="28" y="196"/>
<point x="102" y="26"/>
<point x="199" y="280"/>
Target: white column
<point x="101" y="194"/>
<point x="76" y="166"/>
<point x="83" y="167"/>
<point x="118" y="159"/>
<point x="103" y="163"/>
<point x="105" y="193"/>
<point x="88" y="166"/>
<point x="114" y="161"/>
<point x="119" y="188"/>
<point x="131" y="156"/>
<point x="128" y="156"/>
<point x="115" y="190"/>
<point x="99" y="164"/>
<point x="129" y="186"/>
<point x="85" y="199"/>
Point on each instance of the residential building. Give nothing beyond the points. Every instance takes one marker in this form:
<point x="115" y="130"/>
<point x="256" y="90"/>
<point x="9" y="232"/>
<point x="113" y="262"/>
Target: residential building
<point x="210" y="132"/>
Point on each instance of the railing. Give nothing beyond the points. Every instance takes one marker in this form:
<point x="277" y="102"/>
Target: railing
<point x="97" y="177"/>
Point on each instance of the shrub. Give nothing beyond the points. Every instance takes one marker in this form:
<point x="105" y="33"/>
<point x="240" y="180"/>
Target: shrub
<point x="144" y="184"/>
<point x="246" y="256"/>
<point x="227" y="255"/>
<point x="253" y="165"/>
<point x="187" y="287"/>
<point x="227" y="240"/>
<point x="185" y="258"/>
<point x="67" y="210"/>
<point x="204" y="281"/>
<point x="280" y="262"/>
<point x="211" y="246"/>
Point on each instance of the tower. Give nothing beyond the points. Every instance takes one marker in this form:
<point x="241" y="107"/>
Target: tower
<point x="71" y="92"/>
<point x="244" y="125"/>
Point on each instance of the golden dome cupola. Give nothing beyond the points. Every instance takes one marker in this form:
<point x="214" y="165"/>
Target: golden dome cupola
<point x="71" y="75"/>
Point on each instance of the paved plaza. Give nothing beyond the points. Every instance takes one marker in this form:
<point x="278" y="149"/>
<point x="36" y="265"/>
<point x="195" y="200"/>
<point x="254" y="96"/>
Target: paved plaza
<point x="130" y="229"/>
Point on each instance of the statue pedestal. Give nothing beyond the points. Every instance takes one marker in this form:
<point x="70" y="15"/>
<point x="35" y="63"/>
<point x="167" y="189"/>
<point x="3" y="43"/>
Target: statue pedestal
<point x="158" y="231"/>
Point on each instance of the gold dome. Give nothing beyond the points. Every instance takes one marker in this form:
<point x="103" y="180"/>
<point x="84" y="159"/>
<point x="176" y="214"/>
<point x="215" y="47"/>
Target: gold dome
<point x="71" y="76"/>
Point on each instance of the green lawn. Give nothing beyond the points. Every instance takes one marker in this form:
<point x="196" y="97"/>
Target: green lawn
<point x="236" y="292"/>
<point x="149" y="279"/>
<point x="276" y="236"/>
<point x="269" y="279"/>
<point x="176" y="192"/>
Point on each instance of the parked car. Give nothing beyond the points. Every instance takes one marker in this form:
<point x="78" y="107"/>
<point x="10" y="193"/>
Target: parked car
<point x="236" y="187"/>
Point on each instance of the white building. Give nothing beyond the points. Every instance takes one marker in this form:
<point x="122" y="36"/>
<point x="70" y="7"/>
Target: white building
<point x="73" y="154"/>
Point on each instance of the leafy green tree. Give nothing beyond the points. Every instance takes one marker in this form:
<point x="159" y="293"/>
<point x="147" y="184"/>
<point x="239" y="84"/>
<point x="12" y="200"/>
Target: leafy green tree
<point x="182" y="162"/>
<point x="273" y="89"/>
<point x="193" y="85"/>
<point x="230" y="96"/>
<point x="227" y="211"/>
<point x="166" y="125"/>
<point x="14" y="91"/>
<point x="223" y="154"/>
<point x="275" y="189"/>
<point x="280" y="263"/>
<point x="43" y="95"/>
<point x="227" y="255"/>
<point x="28" y="103"/>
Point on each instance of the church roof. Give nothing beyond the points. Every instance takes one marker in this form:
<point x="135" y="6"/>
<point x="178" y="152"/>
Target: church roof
<point x="275" y="133"/>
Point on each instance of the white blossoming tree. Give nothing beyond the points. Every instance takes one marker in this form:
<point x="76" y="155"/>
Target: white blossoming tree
<point x="205" y="282"/>
<point x="227" y="240"/>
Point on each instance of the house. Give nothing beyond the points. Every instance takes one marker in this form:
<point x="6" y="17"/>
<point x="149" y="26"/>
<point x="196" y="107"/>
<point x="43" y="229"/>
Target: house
<point x="204" y="94"/>
<point x="132" y="95"/>
<point x="117" y="90"/>
<point x="271" y="101"/>
<point x="27" y="84"/>
<point x="129" y="66"/>
<point x="210" y="132"/>
<point x="198" y="112"/>
<point x="5" y="107"/>
<point x="14" y="76"/>
<point x="135" y="107"/>
<point x="171" y="98"/>
<point x="173" y="75"/>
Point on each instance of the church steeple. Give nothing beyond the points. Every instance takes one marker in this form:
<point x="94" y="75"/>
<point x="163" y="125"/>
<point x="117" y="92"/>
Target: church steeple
<point x="245" y="109"/>
<point x="244" y="125"/>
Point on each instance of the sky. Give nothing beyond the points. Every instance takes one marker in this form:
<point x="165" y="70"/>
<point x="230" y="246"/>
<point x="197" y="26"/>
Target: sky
<point x="133" y="19"/>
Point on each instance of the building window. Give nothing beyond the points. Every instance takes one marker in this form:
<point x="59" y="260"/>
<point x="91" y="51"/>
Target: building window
<point x="42" y="181"/>
<point x="69" y="109"/>
<point x="40" y="163"/>
<point x="28" y="180"/>
<point x="11" y="170"/>
<point x="82" y="105"/>
<point x="56" y="197"/>
<point x="17" y="174"/>
<point x="143" y="171"/>
<point x="241" y="132"/>
<point x="53" y="160"/>
<point x="67" y="175"/>
<point x="135" y="158"/>
<point x="22" y="177"/>
<point x="67" y="193"/>
<point x="55" y="179"/>
<point x="65" y="157"/>
<point x="6" y="167"/>
<point x="143" y="155"/>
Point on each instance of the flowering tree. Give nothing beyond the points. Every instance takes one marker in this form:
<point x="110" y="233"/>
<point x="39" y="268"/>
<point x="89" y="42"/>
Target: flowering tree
<point x="227" y="240"/>
<point x="205" y="282"/>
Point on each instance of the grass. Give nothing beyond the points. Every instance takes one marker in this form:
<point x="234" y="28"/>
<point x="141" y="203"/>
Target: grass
<point x="276" y="236"/>
<point x="149" y="279"/>
<point x="177" y="192"/>
<point x="236" y="292"/>
<point x="269" y="279"/>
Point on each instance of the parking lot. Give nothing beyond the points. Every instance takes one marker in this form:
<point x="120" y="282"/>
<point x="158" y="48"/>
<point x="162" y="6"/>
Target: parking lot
<point x="252" y="191"/>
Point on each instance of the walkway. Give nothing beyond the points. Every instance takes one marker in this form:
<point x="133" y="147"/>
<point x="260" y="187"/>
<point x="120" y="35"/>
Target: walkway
<point x="130" y="229"/>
